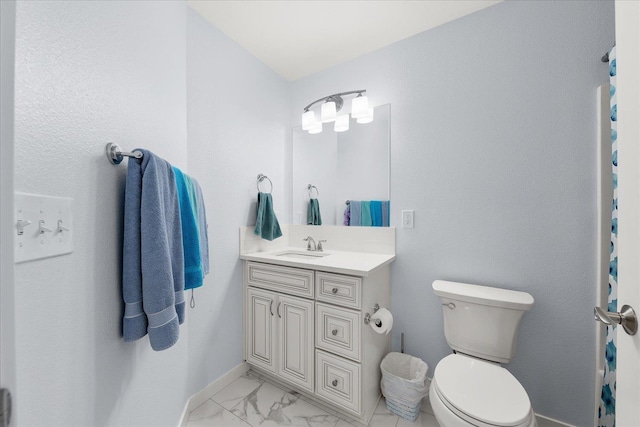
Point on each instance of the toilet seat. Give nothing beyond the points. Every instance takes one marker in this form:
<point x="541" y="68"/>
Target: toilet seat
<point x="481" y="393"/>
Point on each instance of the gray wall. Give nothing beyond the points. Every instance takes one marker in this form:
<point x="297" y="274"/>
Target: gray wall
<point x="238" y="122"/>
<point x="493" y="143"/>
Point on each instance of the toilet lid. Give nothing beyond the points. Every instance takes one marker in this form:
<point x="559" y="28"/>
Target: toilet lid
<point x="483" y="390"/>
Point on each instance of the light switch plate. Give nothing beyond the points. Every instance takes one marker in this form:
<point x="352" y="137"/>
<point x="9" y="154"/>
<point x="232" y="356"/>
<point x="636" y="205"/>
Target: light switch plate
<point x="407" y="219"/>
<point x="47" y="226"/>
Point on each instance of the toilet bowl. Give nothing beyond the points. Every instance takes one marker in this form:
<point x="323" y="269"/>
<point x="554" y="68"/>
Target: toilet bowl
<point x="470" y="387"/>
<point x="466" y="391"/>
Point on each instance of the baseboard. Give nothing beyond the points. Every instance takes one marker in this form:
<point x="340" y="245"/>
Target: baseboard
<point x="550" y="422"/>
<point x="212" y="389"/>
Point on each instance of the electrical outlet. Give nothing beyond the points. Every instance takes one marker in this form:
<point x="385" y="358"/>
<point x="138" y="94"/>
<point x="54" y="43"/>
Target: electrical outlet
<point x="407" y="219"/>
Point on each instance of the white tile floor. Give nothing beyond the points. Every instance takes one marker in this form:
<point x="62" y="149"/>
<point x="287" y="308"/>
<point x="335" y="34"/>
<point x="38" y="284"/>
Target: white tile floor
<point x="252" y="401"/>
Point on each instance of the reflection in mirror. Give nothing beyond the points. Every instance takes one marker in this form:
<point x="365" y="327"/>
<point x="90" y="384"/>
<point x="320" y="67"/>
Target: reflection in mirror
<point x="351" y="165"/>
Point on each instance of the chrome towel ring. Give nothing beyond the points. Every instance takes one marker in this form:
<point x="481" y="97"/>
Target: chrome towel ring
<point x="262" y="177"/>
<point x="312" y="187"/>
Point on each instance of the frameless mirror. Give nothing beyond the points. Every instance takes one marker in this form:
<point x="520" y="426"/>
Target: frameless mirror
<point x="350" y="165"/>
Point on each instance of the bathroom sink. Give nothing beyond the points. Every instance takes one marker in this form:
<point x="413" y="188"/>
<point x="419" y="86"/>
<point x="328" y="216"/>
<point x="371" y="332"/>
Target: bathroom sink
<point x="302" y="254"/>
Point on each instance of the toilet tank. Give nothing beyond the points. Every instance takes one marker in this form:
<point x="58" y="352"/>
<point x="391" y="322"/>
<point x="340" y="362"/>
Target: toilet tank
<point x="482" y="321"/>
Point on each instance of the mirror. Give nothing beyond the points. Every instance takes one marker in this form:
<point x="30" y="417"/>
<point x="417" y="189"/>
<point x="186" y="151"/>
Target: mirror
<point x="350" y="165"/>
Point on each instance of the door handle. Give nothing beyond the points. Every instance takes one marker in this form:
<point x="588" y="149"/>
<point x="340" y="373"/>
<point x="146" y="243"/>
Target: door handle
<point x="271" y="307"/>
<point x="278" y="309"/>
<point x="626" y="317"/>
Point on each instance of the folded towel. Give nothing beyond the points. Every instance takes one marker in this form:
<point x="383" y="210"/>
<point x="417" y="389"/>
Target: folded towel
<point x="366" y="214"/>
<point x="313" y="213"/>
<point x="267" y="225"/>
<point x="376" y="213"/>
<point x="347" y="214"/>
<point x="385" y="213"/>
<point x="190" y="234"/>
<point x="153" y="263"/>
<point x="356" y="213"/>
<point x="203" y="227"/>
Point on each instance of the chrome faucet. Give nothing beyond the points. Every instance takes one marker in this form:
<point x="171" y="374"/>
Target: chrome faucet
<point x="309" y="241"/>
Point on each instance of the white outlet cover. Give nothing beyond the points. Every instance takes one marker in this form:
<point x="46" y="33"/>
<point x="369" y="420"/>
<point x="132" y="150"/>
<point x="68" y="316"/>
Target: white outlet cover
<point x="407" y="219"/>
<point x="34" y="244"/>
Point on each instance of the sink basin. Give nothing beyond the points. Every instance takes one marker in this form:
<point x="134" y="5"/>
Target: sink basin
<point x="302" y="254"/>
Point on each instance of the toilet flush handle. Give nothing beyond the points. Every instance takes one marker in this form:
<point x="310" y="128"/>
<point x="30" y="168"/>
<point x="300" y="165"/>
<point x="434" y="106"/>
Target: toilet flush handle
<point x="450" y="305"/>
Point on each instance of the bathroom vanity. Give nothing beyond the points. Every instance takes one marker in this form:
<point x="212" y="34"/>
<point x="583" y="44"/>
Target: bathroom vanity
<point x="306" y="320"/>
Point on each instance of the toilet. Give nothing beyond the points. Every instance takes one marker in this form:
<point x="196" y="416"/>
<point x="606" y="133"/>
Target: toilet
<point x="470" y="387"/>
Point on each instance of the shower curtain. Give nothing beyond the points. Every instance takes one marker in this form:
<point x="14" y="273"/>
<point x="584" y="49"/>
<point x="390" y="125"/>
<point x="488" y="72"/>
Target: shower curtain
<point x="607" y="409"/>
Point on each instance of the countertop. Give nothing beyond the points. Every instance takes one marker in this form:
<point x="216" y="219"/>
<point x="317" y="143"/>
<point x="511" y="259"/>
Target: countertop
<point x="341" y="262"/>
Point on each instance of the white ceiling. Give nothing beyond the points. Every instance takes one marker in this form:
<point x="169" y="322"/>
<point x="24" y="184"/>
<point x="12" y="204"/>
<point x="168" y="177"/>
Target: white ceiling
<point x="297" y="38"/>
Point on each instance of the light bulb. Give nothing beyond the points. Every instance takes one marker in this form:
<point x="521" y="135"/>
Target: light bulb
<point x="328" y="112"/>
<point x="366" y="119"/>
<point x="342" y="123"/>
<point x="316" y="128"/>
<point x="359" y="107"/>
<point x="308" y="119"/>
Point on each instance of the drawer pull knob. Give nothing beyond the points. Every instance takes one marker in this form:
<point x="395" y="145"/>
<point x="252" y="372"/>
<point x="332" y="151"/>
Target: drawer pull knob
<point x="334" y="290"/>
<point x="334" y="332"/>
<point x="334" y="382"/>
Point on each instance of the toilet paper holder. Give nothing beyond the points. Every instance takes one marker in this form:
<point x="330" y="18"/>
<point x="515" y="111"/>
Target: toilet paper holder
<point x="367" y="316"/>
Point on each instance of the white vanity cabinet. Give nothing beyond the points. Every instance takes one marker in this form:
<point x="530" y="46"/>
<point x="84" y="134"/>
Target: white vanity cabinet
<point x="305" y="327"/>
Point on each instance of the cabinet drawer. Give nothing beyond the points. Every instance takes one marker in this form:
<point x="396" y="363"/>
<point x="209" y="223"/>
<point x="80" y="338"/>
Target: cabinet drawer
<point x="338" y="380"/>
<point x="338" y="330"/>
<point x="339" y="289"/>
<point x="293" y="281"/>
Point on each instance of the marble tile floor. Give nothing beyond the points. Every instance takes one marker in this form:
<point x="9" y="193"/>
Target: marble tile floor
<point x="253" y="401"/>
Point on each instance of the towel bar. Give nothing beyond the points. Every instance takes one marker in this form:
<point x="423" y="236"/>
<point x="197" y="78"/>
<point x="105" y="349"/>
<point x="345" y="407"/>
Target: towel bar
<point x="313" y="187"/>
<point x="116" y="155"/>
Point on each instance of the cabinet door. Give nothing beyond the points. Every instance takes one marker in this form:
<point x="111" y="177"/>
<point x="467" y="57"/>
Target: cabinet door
<point x="296" y="340"/>
<point x="261" y="329"/>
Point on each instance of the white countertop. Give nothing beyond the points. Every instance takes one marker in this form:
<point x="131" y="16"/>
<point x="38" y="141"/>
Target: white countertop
<point x="342" y="262"/>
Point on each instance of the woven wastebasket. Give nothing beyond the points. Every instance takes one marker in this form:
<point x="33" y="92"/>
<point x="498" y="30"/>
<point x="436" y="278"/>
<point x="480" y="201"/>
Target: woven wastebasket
<point x="404" y="384"/>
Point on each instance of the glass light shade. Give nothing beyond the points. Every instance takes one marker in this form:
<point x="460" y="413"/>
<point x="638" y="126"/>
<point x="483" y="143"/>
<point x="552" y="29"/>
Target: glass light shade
<point x="328" y="112"/>
<point x="308" y="120"/>
<point x="315" y="128"/>
<point x="359" y="107"/>
<point x="366" y="119"/>
<point x="342" y="123"/>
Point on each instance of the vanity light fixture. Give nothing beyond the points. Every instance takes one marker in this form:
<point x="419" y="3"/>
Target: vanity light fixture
<point x="360" y="111"/>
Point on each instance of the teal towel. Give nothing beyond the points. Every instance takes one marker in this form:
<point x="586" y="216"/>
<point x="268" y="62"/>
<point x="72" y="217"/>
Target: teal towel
<point x="313" y="213"/>
<point x="190" y="234"/>
<point x="267" y="225"/>
<point x="376" y="213"/>
<point x="365" y="220"/>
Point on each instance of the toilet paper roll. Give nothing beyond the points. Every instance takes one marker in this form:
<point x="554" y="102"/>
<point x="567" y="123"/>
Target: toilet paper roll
<point x="382" y="321"/>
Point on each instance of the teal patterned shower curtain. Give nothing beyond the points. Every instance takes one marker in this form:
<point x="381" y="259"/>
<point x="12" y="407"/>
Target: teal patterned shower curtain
<point x="607" y="409"/>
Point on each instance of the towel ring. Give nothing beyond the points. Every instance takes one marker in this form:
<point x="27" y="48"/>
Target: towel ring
<point x="262" y="177"/>
<point x="313" y="187"/>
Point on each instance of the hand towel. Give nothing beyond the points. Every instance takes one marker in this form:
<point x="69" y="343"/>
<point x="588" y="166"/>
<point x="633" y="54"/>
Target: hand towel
<point x="203" y="228"/>
<point x="313" y="213"/>
<point x="366" y="214"/>
<point x="376" y="213"/>
<point x="347" y="214"/>
<point x="267" y="225"/>
<point x="356" y="213"/>
<point x="190" y="234"/>
<point x="153" y="263"/>
<point x="385" y="213"/>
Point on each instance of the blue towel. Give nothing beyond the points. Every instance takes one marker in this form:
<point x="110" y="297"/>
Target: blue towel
<point x="203" y="227"/>
<point x="366" y="214"/>
<point x="313" y="213"/>
<point x="356" y="213"/>
<point x="347" y="214"/>
<point x="267" y="225"/>
<point x="152" y="257"/>
<point x="376" y="213"/>
<point x="385" y="213"/>
<point x="190" y="234"/>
